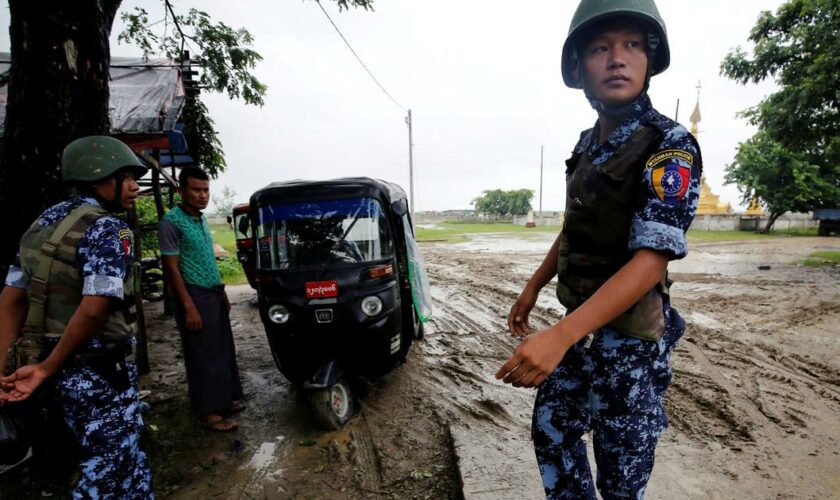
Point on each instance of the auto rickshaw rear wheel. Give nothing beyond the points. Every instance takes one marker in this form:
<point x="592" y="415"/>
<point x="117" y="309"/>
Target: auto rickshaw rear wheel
<point x="333" y="405"/>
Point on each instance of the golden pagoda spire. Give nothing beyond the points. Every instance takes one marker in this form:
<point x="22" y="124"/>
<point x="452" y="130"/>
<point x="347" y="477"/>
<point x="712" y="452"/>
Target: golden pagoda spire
<point x="695" y="115"/>
<point x="709" y="202"/>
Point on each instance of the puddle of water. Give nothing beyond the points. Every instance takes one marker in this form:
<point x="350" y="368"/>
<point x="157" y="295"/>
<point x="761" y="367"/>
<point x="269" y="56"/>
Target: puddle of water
<point x="705" y="320"/>
<point x="536" y="242"/>
<point x="264" y="455"/>
<point x="262" y="466"/>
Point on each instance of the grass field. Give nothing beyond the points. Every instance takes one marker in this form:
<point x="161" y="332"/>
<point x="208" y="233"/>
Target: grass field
<point x="454" y="232"/>
<point x="229" y="267"/>
<point x="827" y="258"/>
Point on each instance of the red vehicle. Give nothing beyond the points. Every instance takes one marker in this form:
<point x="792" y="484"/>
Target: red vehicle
<point x="241" y="223"/>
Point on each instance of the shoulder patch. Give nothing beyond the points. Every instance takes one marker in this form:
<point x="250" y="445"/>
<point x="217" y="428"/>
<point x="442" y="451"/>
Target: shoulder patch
<point x="127" y="239"/>
<point x="670" y="174"/>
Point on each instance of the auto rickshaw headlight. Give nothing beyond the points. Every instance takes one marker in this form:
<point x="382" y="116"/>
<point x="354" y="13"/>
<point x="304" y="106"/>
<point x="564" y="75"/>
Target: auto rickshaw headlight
<point x="278" y="313"/>
<point x="371" y="305"/>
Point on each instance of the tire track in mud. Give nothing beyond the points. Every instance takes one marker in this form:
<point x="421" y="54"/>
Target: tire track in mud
<point x="749" y="387"/>
<point x="745" y="376"/>
<point x="742" y="376"/>
<point x="467" y="342"/>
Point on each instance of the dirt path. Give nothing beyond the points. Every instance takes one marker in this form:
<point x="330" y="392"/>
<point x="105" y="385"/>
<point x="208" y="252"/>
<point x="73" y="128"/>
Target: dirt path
<point x="754" y="405"/>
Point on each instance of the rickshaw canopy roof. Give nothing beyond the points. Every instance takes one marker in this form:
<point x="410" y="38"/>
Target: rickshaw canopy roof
<point x="348" y="187"/>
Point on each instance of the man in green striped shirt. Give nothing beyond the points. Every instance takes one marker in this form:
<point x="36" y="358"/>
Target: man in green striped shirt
<point x="202" y="307"/>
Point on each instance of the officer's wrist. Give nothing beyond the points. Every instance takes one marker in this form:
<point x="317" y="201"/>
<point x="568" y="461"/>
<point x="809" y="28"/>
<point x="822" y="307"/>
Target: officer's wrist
<point x="560" y="335"/>
<point x="47" y="367"/>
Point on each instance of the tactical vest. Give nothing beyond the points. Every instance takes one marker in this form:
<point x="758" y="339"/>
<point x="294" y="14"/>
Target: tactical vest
<point x="600" y="204"/>
<point x="48" y="256"/>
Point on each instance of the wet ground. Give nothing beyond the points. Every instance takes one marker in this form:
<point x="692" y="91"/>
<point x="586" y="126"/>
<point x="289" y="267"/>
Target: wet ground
<point x="754" y="403"/>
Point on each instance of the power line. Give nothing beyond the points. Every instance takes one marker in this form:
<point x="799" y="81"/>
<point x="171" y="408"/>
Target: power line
<point x="358" y="58"/>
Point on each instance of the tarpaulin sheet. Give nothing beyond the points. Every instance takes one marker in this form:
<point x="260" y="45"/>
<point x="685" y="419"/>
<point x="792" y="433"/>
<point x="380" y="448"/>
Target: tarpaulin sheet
<point x="421" y="290"/>
<point x="146" y="96"/>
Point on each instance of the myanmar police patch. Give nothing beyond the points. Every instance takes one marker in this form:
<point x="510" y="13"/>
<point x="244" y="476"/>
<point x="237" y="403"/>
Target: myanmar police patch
<point x="670" y="172"/>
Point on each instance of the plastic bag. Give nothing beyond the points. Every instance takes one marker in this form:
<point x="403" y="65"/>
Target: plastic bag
<point x="421" y="291"/>
<point x="15" y="446"/>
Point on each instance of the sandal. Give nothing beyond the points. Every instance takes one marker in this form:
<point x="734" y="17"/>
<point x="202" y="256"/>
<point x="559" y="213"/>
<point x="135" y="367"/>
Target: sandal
<point x="217" y="423"/>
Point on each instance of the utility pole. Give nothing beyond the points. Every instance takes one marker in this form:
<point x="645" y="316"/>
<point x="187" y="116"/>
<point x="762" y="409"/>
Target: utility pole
<point x="539" y="217"/>
<point x="677" y="114"/>
<point x="410" y="167"/>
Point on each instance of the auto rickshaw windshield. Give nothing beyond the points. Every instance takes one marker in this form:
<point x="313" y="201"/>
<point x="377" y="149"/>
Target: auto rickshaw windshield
<point x="319" y="233"/>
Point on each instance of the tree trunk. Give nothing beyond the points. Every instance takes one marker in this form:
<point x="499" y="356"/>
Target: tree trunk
<point x="57" y="92"/>
<point x="770" y="221"/>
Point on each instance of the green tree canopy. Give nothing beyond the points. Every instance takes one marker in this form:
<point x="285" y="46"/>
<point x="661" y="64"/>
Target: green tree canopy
<point x="224" y="55"/>
<point x="498" y="202"/>
<point x="784" y="180"/>
<point x="799" y="125"/>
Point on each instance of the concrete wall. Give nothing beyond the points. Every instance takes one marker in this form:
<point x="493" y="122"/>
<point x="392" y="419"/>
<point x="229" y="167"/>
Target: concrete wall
<point x="557" y="220"/>
<point x="735" y="222"/>
<point x="728" y="222"/>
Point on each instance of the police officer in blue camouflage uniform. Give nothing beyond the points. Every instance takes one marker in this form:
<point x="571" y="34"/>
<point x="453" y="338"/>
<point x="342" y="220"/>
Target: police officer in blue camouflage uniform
<point x="66" y="316"/>
<point x="633" y="183"/>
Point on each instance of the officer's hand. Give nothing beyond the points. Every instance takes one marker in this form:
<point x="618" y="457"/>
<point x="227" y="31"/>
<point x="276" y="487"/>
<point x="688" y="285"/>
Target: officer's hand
<point x="22" y="383"/>
<point x="518" y="318"/>
<point x="193" y="318"/>
<point x="535" y="358"/>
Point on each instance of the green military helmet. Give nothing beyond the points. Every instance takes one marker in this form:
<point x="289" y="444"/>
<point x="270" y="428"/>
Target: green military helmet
<point x="95" y="157"/>
<point x="590" y="12"/>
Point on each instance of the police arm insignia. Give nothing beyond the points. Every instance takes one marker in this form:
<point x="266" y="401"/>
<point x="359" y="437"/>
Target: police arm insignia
<point x="670" y="173"/>
<point x="127" y="240"/>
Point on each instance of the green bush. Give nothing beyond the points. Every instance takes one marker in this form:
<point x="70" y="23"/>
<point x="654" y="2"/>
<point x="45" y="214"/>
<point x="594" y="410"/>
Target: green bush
<point x="147" y="214"/>
<point x="231" y="270"/>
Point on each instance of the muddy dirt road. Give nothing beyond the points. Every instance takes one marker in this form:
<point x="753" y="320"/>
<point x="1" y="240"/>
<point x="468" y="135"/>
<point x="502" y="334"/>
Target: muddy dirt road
<point x="754" y="405"/>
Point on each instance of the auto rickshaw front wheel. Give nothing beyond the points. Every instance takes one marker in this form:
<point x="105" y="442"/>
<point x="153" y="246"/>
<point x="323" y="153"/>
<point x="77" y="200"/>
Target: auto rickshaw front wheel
<point x="333" y="404"/>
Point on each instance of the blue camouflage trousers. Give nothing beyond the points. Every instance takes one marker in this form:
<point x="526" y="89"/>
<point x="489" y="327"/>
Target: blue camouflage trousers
<point x="613" y="387"/>
<point x="107" y="424"/>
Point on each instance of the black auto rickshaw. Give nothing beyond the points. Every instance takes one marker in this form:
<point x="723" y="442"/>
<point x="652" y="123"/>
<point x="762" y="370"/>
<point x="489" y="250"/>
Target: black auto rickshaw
<point x="341" y="284"/>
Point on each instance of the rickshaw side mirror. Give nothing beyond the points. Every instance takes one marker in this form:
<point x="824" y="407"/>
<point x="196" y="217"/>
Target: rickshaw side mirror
<point x="230" y="221"/>
<point x="399" y="207"/>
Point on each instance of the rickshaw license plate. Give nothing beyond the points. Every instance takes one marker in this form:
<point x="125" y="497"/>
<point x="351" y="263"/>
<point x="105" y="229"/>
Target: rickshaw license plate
<point x="324" y="315"/>
<point x="321" y="289"/>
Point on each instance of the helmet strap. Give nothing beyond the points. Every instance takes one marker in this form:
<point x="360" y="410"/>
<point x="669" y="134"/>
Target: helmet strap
<point x="115" y="203"/>
<point x="118" y="185"/>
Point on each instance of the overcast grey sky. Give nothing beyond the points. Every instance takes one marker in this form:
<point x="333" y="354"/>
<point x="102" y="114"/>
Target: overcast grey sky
<point x="482" y="78"/>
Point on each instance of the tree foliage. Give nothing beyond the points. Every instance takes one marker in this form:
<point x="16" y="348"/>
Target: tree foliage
<point x="784" y="180"/>
<point x="499" y="202"/>
<point x="799" y="125"/>
<point x="225" y="55"/>
<point x="224" y="201"/>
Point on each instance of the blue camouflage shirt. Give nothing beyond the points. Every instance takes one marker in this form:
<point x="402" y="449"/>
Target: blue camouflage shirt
<point x="671" y="180"/>
<point x="103" y="256"/>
